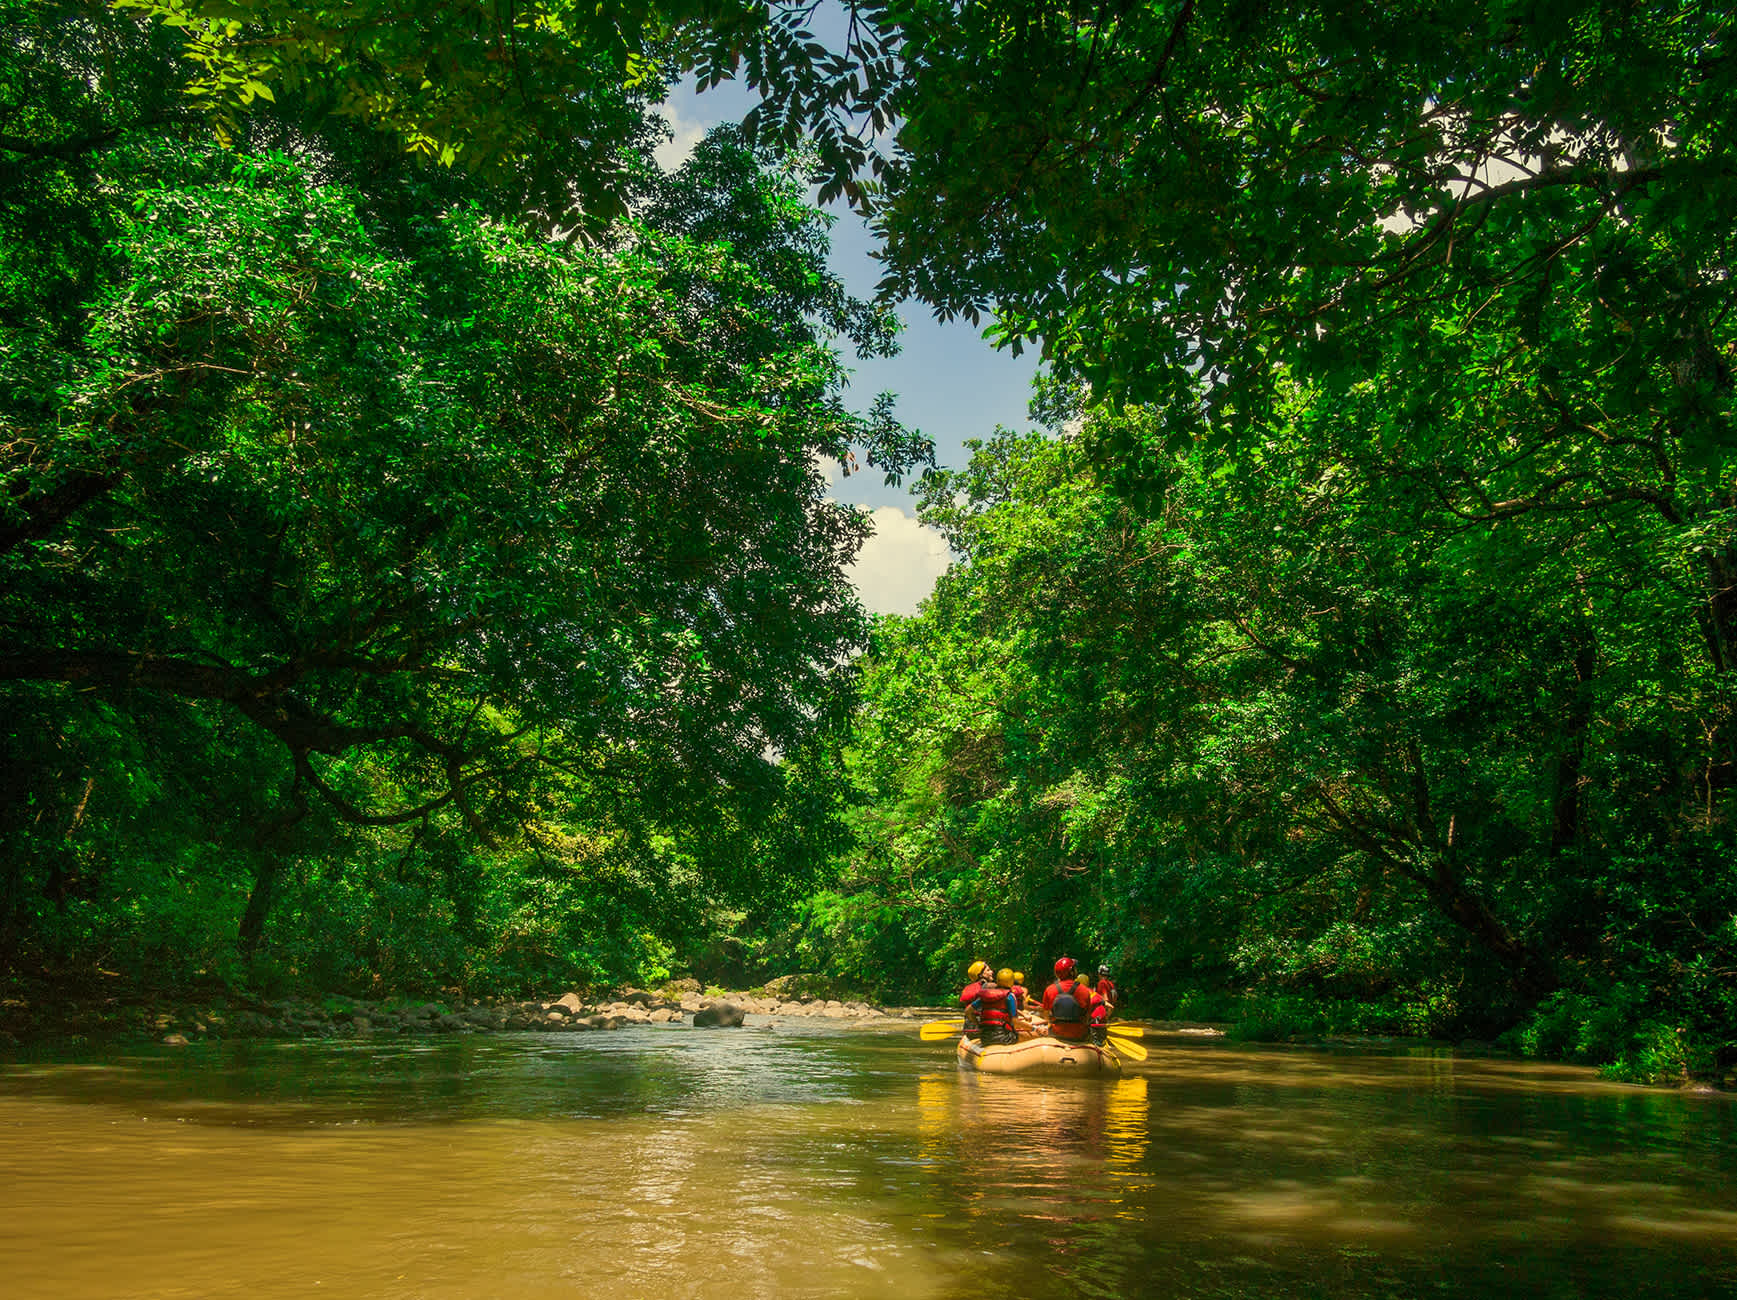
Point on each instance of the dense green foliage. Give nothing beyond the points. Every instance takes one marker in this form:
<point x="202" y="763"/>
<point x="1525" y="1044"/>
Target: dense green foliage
<point x="425" y="571"/>
<point x="540" y="96"/>
<point x="349" y="522"/>
<point x="1303" y="733"/>
<point x="1369" y="646"/>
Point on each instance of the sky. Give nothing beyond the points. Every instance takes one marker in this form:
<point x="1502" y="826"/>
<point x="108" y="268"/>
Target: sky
<point x="950" y="383"/>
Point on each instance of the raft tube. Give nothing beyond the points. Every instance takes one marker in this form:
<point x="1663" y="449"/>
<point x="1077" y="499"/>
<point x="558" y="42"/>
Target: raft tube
<point x="1040" y="1056"/>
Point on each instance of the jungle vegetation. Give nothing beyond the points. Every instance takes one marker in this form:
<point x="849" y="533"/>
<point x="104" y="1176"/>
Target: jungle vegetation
<point x="417" y="566"/>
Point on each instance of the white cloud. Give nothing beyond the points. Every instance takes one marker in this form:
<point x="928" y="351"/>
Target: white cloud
<point x="897" y="567"/>
<point x="688" y="132"/>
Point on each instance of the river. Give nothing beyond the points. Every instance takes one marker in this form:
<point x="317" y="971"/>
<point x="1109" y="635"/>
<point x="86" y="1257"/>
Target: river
<point x="808" y="1161"/>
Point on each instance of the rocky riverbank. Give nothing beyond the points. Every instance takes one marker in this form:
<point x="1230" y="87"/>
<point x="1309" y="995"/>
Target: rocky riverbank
<point x="179" y="1022"/>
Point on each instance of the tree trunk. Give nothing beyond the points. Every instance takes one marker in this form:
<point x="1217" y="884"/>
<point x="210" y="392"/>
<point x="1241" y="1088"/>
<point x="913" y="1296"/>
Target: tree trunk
<point x="1566" y="807"/>
<point x="258" y="906"/>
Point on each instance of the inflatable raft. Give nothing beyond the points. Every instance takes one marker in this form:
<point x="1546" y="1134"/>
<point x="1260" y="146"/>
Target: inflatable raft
<point x="1045" y="1056"/>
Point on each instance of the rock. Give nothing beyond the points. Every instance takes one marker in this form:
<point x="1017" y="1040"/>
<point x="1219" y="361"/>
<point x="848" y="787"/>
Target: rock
<point x="452" y="1024"/>
<point x="692" y="1003"/>
<point x="640" y="998"/>
<point x="361" y="1024"/>
<point x="555" y="1017"/>
<point x="685" y="986"/>
<point x="174" y="1040"/>
<point x="832" y="1011"/>
<point x="571" y="1003"/>
<point x="663" y="1015"/>
<point x="718" y="1015"/>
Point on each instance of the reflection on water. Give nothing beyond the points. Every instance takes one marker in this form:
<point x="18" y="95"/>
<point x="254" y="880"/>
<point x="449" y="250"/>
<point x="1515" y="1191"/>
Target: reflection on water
<point x="815" y="1162"/>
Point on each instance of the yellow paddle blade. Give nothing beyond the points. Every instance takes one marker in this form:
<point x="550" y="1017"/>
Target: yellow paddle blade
<point x="934" y="1031"/>
<point x="1127" y="1031"/>
<point x="1128" y="1048"/>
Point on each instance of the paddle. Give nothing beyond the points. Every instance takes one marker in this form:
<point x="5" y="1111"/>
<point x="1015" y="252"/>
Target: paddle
<point x="933" y="1031"/>
<point x="1128" y="1048"/>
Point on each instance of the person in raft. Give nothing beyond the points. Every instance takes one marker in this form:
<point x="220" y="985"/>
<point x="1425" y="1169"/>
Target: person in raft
<point x="997" y="1008"/>
<point x="1106" y="987"/>
<point x="974" y="973"/>
<point x="1068" y="1014"/>
<point x="1024" y="1025"/>
<point x="1098" y="1010"/>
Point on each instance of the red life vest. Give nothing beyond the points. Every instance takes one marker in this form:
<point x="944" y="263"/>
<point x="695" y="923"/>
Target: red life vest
<point x="1107" y="989"/>
<point x="1100" y="1010"/>
<point x="1067" y="1009"/>
<point x="970" y="994"/>
<point x="994" y="1007"/>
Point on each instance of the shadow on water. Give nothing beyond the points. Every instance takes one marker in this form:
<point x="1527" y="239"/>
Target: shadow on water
<point x="815" y="1162"/>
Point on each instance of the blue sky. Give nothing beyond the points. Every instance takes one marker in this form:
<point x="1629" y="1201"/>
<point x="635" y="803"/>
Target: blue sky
<point x="950" y="383"/>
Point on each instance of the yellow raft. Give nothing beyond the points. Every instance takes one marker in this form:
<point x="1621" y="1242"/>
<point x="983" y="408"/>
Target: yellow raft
<point x="1045" y="1056"/>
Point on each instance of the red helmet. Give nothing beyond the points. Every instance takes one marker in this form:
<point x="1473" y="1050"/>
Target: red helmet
<point x="1064" y="968"/>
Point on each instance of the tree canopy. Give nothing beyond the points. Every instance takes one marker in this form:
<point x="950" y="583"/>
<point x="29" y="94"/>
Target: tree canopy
<point x="302" y="431"/>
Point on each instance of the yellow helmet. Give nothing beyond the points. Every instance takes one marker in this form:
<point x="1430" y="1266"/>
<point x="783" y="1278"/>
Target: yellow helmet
<point x="1019" y="977"/>
<point x="975" y="969"/>
<point x="1004" y="977"/>
<point x="1084" y="977"/>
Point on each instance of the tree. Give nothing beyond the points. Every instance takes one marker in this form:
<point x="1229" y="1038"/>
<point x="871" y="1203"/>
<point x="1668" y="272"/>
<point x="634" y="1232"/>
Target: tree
<point x="1300" y="728"/>
<point x="308" y="435"/>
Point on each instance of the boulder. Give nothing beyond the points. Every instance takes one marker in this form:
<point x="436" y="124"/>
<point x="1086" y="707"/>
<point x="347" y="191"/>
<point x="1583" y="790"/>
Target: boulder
<point x="452" y="1024"/>
<point x="571" y="1003"/>
<point x="555" y="1017"/>
<point x="361" y="1024"/>
<point x="685" y="986"/>
<point x="663" y="1015"/>
<point x="174" y="1040"/>
<point x="718" y="1015"/>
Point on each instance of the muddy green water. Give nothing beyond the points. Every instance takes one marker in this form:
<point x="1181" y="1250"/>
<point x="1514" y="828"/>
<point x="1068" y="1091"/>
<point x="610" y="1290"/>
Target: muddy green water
<point x="799" y="1161"/>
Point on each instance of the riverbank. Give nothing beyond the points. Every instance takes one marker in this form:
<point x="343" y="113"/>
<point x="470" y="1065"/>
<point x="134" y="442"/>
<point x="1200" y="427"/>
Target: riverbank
<point x="41" y="1015"/>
